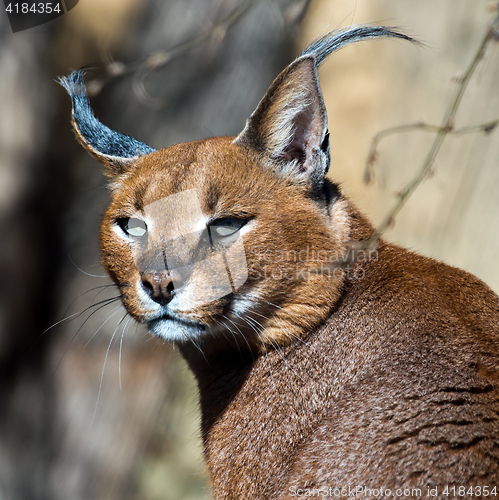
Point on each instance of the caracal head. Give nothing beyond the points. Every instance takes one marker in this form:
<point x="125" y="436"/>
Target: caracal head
<point x="228" y="241"/>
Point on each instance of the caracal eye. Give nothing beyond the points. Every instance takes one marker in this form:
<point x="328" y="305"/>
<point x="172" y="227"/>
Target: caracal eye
<point x="133" y="226"/>
<point x="226" y="227"/>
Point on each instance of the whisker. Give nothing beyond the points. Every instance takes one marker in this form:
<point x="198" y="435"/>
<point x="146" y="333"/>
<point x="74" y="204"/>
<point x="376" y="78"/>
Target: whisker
<point x="290" y="333"/>
<point x="114" y="312"/>
<point x="242" y="335"/>
<point x="103" y="287"/>
<point x="200" y="350"/>
<point x="292" y="313"/>
<point x="129" y="319"/>
<point x="104" y="365"/>
<point x="233" y="336"/>
<point x="263" y="344"/>
<point x="84" y="272"/>
<point x="276" y="347"/>
<point x="78" y="314"/>
<point x="101" y="305"/>
<point x="108" y="302"/>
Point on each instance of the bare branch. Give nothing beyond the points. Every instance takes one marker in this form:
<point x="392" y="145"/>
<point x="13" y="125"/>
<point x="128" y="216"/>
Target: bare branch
<point x="143" y="67"/>
<point x="372" y="157"/>
<point x="447" y="127"/>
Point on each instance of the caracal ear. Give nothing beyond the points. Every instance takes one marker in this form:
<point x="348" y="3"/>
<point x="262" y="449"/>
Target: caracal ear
<point x="115" y="151"/>
<point x="289" y="126"/>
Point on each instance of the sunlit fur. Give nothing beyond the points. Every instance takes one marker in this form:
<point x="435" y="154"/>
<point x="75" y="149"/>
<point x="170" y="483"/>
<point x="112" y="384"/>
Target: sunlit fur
<point x="232" y="181"/>
<point x="312" y="375"/>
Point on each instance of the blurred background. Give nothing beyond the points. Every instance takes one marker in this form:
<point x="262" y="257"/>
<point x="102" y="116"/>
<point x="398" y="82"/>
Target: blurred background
<point x="90" y="406"/>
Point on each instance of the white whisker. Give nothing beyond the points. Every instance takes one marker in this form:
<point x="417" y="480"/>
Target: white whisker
<point x="125" y="326"/>
<point x="277" y="348"/>
<point x="84" y="272"/>
<point x="114" y="312"/>
<point x="104" y="366"/>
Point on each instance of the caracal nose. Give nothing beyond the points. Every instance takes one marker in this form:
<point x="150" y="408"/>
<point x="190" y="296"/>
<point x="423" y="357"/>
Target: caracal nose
<point x="158" y="285"/>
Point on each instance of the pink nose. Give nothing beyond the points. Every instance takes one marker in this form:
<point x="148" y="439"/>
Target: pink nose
<point x="158" y="286"/>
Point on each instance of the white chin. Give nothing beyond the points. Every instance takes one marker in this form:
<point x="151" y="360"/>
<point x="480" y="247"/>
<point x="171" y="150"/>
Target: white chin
<point x="172" y="330"/>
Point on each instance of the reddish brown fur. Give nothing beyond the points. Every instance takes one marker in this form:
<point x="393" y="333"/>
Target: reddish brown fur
<point x="397" y="388"/>
<point x="383" y="374"/>
<point x="231" y="178"/>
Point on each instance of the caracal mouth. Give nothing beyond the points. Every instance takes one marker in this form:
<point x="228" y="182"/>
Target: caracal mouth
<point x="174" y="329"/>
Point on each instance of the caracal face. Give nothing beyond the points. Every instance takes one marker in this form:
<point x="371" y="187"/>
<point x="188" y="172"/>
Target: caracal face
<point x="200" y="236"/>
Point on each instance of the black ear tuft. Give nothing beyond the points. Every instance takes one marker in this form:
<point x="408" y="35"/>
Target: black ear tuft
<point x="335" y="40"/>
<point x="113" y="149"/>
<point x="289" y="126"/>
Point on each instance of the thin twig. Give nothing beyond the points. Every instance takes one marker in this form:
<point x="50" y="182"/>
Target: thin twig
<point x="372" y="157"/>
<point x="160" y="59"/>
<point x="447" y="127"/>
